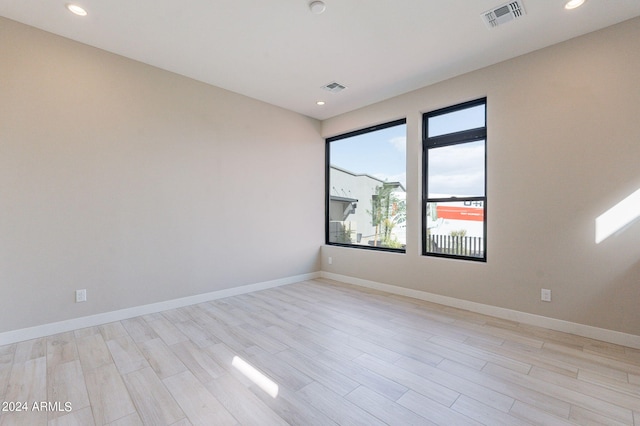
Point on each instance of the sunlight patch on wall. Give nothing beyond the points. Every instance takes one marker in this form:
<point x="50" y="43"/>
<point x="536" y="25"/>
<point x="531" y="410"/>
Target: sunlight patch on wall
<point x="266" y="384"/>
<point x="617" y="217"/>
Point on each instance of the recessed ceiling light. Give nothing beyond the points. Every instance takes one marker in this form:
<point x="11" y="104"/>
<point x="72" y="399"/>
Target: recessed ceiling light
<point x="317" y="7"/>
<point x="572" y="4"/>
<point x="320" y="103"/>
<point x="75" y="9"/>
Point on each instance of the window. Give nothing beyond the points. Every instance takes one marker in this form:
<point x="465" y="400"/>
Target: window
<point x="454" y="189"/>
<point x="366" y="179"/>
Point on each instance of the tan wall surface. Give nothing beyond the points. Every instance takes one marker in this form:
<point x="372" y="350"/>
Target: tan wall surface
<point x="563" y="147"/>
<point x="141" y="185"/>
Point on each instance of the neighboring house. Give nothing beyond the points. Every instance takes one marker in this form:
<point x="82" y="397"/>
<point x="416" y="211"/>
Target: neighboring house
<point x="351" y="203"/>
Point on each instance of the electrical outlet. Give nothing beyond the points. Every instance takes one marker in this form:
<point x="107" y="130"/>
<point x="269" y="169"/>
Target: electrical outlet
<point x="545" y="295"/>
<point x="330" y="260"/>
<point x="81" y="295"/>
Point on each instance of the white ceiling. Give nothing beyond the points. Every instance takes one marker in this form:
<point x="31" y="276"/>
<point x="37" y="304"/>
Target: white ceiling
<point x="279" y="52"/>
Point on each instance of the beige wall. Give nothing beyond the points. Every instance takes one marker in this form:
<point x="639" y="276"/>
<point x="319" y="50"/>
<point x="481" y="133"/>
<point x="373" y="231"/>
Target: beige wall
<point x="141" y="185"/>
<point x="563" y="147"/>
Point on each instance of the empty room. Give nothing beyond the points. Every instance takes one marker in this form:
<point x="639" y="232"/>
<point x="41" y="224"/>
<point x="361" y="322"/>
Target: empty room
<point x="319" y="212"/>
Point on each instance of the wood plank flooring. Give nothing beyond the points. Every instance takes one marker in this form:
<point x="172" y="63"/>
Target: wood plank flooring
<point x="338" y="354"/>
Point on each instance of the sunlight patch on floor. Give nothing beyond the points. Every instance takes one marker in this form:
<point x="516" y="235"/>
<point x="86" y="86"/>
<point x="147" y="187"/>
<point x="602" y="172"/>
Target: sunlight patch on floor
<point x="265" y="383"/>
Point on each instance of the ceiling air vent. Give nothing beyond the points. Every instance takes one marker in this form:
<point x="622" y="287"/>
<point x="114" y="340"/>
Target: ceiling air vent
<point x="334" y="87"/>
<point x="503" y="14"/>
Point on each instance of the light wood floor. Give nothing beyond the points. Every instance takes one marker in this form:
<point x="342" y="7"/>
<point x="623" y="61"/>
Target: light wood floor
<point x="338" y="354"/>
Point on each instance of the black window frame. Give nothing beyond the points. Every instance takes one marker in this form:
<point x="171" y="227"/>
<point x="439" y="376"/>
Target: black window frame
<point x="449" y="139"/>
<point x="382" y="126"/>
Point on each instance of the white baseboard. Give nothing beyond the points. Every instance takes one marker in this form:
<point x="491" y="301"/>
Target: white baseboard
<point x="610" y="336"/>
<point x="107" y="317"/>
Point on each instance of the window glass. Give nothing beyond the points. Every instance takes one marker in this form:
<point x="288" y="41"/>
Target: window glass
<point x="454" y="186"/>
<point x="456" y="170"/>
<point x="455" y="228"/>
<point x="366" y="188"/>
<point x="456" y="121"/>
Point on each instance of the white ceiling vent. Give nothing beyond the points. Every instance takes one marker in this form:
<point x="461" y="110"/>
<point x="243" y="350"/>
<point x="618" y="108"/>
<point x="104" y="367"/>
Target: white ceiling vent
<point x="504" y="13"/>
<point x="334" y="87"/>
